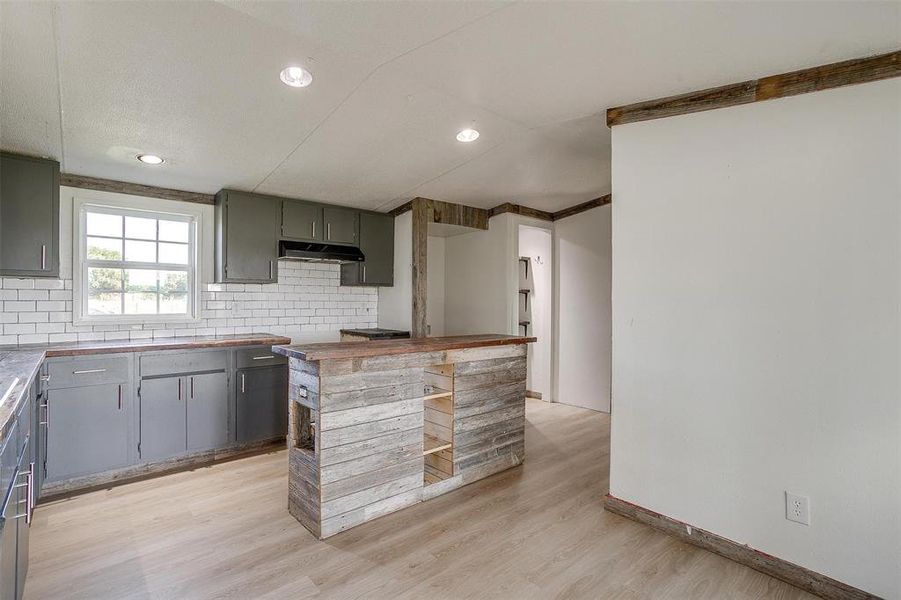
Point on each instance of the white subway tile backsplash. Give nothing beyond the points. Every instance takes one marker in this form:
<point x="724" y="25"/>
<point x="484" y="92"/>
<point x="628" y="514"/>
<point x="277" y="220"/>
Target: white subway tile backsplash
<point x="307" y="297"/>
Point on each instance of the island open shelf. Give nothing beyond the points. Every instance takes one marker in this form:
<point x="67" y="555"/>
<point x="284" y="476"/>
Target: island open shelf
<point x="377" y="426"/>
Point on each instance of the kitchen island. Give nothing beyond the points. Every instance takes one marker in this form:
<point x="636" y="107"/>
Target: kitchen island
<point x="379" y="426"/>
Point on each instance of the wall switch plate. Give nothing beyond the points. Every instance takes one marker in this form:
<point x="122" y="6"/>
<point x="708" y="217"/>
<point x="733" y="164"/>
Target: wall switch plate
<point x="797" y="508"/>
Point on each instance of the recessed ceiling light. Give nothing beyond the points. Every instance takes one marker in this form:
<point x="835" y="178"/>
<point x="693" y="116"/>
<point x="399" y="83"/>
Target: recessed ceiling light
<point x="150" y="159"/>
<point x="296" y="77"/>
<point x="468" y="135"/>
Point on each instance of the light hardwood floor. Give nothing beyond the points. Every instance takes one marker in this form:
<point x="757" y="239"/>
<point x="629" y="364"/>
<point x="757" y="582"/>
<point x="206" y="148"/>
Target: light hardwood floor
<point x="538" y="531"/>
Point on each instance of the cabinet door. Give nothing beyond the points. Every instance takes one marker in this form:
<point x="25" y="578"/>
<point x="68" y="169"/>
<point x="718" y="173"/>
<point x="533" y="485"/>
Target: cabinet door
<point x="29" y="216"/>
<point x="251" y="240"/>
<point x="301" y="221"/>
<point x="262" y="407"/>
<point x="207" y="411"/>
<point x="22" y="527"/>
<point x="377" y="245"/>
<point x="163" y="406"/>
<point x="340" y="225"/>
<point x="8" y="541"/>
<point x="87" y="430"/>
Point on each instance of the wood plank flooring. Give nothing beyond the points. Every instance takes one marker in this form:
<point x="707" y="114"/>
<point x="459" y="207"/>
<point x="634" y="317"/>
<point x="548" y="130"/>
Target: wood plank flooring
<point x="537" y="531"/>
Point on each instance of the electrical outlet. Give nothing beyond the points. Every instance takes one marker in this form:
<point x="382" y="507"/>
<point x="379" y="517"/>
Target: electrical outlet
<point x="797" y="508"/>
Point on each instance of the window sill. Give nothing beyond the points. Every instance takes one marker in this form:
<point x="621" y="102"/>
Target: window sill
<point x="136" y="320"/>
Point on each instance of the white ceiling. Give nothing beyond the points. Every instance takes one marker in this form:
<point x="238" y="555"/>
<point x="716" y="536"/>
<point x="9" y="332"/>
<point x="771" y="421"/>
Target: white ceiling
<point x="95" y="83"/>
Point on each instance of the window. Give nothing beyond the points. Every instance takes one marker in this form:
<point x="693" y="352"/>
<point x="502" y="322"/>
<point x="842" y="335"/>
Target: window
<point x="135" y="265"/>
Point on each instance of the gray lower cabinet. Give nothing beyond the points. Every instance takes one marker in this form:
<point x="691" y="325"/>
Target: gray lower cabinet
<point x="340" y="225"/>
<point x="164" y="426"/>
<point x="301" y="221"/>
<point x="377" y="245"/>
<point x="262" y="403"/>
<point x="247" y="228"/>
<point x="29" y="216"/>
<point x="207" y="417"/>
<point x="87" y="430"/>
<point x="9" y="534"/>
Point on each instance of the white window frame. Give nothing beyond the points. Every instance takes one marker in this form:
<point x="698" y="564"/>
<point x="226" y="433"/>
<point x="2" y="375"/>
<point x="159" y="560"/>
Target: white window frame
<point x="81" y="263"/>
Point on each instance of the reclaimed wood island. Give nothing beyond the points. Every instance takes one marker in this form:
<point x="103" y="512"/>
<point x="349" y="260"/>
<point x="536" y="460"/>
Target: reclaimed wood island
<point x="377" y="426"/>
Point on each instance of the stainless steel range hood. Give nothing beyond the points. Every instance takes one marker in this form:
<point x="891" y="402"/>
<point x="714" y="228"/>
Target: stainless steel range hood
<point x="317" y="252"/>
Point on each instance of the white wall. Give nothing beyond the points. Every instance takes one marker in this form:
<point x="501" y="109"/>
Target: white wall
<point x="396" y="302"/>
<point x="435" y="286"/>
<point x="582" y="259"/>
<point x="756" y="325"/>
<point x="537" y="244"/>
<point x="481" y="280"/>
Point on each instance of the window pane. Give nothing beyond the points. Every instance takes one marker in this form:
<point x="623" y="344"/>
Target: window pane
<point x="140" y="251"/>
<point x="104" y="279"/>
<point x="104" y="249"/>
<point x="174" y="254"/>
<point x="173" y="304"/>
<point x="142" y="229"/>
<point x="108" y="225"/>
<point x="141" y="280"/>
<point x="173" y="281"/>
<point x="105" y="304"/>
<point x="140" y="303"/>
<point x="174" y="231"/>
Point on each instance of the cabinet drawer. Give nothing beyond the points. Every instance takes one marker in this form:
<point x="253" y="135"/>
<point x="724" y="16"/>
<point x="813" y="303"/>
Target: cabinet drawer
<point x="77" y="372"/>
<point x="259" y="357"/>
<point x="175" y="363"/>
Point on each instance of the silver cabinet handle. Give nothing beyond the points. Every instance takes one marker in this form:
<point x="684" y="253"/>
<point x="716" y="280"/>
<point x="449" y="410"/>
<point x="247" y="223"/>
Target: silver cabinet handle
<point x="328" y="231"/>
<point x="364" y="273"/>
<point x="45" y="378"/>
<point x="29" y="493"/>
<point x="120" y="396"/>
<point x="46" y="407"/>
<point x="270" y="269"/>
<point x="43" y="257"/>
<point x="270" y="357"/>
<point x="86" y="371"/>
<point x="314" y="230"/>
<point x="192" y="388"/>
<point x="242" y="383"/>
<point x="179" y="388"/>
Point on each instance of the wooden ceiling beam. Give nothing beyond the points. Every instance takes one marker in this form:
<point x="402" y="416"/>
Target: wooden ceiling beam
<point x="849" y="72"/>
<point x="136" y="189"/>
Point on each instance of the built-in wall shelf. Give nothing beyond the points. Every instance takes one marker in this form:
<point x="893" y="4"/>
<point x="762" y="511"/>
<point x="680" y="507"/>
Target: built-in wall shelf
<point x="433" y="393"/>
<point x="431" y="444"/>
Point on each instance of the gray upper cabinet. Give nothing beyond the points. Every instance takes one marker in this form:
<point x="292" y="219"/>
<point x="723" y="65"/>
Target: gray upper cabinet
<point x="377" y="245"/>
<point x="87" y="430"/>
<point x="247" y="229"/>
<point x="340" y="225"/>
<point x="301" y="221"/>
<point x="29" y="216"/>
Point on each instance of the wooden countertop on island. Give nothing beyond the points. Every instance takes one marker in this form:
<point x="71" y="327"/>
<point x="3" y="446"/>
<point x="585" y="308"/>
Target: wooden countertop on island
<point x="340" y="350"/>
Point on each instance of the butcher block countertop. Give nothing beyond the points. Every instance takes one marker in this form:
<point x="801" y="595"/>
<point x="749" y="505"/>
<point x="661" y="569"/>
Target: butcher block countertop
<point x="147" y="345"/>
<point x="339" y="350"/>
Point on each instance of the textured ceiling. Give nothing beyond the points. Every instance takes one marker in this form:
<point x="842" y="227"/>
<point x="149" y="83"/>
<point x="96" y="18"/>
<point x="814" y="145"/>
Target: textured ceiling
<point x="95" y="83"/>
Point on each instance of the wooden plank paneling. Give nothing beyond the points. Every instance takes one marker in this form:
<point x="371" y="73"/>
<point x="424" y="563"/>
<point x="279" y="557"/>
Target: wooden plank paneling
<point x="334" y="401"/>
<point x="368" y="414"/>
<point x="373" y="445"/>
<point x="849" y="72"/>
<point x="135" y="189"/>
<point x="580" y="208"/>
<point x="465" y="355"/>
<point x="525" y="211"/>
<point x="349" y="485"/>
<point x="348" y="435"/>
<point x="422" y="216"/>
<point x="368" y="496"/>
<point x="362" y="380"/>
<point x="463" y="383"/>
<point x="342" y="350"/>
<point x="373" y="462"/>
<point x="377" y="509"/>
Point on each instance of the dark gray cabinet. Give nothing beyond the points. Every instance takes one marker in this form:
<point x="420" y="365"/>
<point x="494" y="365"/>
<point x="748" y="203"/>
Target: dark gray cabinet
<point x="301" y="221"/>
<point x="29" y="216"/>
<point x="247" y="229"/>
<point x="16" y="466"/>
<point x="377" y="245"/>
<point x="340" y="225"/>
<point x="164" y="426"/>
<point x="262" y="403"/>
<point x="207" y="414"/>
<point x="87" y="430"/>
